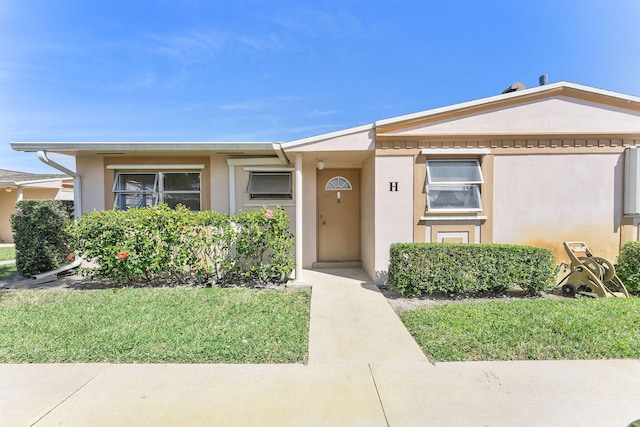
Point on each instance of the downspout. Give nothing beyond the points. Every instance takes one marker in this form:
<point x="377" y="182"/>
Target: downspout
<point x="77" y="182"/>
<point x="299" y="227"/>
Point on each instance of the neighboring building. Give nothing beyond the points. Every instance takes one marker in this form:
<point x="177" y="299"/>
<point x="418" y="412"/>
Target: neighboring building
<point x="538" y="166"/>
<point x="15" y="186"/>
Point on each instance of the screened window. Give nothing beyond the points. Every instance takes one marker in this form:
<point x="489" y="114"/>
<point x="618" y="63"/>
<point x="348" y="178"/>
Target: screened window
<point x="269" y="185"/>
<point x="454" y="185"/>
<point x="150" y="188"/>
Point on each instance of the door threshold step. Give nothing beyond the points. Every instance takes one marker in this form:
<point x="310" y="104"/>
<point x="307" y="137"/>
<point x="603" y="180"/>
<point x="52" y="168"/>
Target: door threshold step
<point x="336" y="264"/>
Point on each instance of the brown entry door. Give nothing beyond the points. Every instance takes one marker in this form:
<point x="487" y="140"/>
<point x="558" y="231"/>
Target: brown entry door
<point x="339" y="215"/>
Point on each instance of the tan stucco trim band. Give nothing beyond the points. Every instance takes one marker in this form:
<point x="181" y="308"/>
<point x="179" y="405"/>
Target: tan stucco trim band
<point x="455" y="151"/>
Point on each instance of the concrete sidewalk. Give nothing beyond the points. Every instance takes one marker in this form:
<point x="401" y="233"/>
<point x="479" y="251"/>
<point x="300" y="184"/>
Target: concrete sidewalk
<point x="364" y="369"/>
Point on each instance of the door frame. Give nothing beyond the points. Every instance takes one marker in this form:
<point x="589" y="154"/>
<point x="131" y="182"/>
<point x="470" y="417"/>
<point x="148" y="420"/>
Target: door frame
<point x="356" y="188"/>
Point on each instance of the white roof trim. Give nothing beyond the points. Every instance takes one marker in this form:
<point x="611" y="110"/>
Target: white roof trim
<point x="143" y="146"/>
<point x="456" y="151"/>
<point x="268" y="169"/>
<point x="325" y="136"/>
<point x="40" y="181"/>
<point x="255" y="162"/>
<point x="502" y="97"/>
<point x="153" y="167"/>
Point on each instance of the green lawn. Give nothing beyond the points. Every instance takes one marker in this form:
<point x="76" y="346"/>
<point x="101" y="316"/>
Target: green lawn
<point x="584" y="328"/>
<point x="7" y="253"/>
<point x="154" y="325"/>
<point x="7" y="270"/>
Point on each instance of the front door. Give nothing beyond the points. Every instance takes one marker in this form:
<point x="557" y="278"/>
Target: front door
<point x="338" y="215"/>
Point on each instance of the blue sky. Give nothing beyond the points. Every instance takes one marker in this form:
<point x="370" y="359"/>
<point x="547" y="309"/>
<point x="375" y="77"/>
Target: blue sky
<point x="191" y="70"/>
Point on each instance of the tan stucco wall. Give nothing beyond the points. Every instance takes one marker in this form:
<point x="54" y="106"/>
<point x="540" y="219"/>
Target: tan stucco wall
<point x="357" y="139"/>
<point x="367" y="216"/>
<point x="309" y="215"/>
<point x="393" y="209"/>
<point x="558" y="115"/>
<point x="7" y="208"/>
<point x="543" y="200"/>
<point x="219" y="185"/>
<point x="91" y="171"/>
<point x="39" y="193"/>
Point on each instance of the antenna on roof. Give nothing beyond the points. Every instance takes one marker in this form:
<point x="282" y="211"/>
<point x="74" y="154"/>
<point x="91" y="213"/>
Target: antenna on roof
<point x="514" y="87"/>
<point x="543" y="79"/>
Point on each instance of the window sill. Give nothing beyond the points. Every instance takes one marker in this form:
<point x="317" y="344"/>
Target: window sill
<point x="453" y="218"/>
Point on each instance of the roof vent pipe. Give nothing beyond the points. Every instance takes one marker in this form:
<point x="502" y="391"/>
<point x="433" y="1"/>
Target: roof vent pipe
<point x="77" y="188"/>
<point x="543" y="79"/>
<point x="514" y="87"/>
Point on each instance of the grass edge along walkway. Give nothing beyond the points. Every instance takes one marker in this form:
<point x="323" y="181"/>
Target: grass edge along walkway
<point x="536" y="329"/>
<point x="152" y="325"/>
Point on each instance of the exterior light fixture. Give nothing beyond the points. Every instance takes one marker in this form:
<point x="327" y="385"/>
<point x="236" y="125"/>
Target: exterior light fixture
<point x="320" y="164"/>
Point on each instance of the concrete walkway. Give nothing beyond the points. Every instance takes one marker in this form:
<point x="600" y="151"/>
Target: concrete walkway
<point x="364" y="369"/>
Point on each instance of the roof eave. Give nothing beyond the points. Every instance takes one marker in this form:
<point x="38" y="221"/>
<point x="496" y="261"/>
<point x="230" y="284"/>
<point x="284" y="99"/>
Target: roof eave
<point x="107" y="147"/>
<point x="288" y="146"/>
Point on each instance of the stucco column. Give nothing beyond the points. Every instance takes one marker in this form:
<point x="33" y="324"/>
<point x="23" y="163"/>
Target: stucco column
<point x="232" y="190"/>
<point x="298" y="174"/>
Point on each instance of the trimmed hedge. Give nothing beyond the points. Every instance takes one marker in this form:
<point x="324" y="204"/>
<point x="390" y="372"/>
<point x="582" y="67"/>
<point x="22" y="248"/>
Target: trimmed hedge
<point x="424" y="268"/>
<point x="628" y="266"/>
<point x="158" y="244"/>
<point x="39" y="235"/>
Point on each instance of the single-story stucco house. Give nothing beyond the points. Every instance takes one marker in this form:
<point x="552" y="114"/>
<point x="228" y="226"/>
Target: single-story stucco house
<point x="16" y="186"/>
<point x="558" y="162"/>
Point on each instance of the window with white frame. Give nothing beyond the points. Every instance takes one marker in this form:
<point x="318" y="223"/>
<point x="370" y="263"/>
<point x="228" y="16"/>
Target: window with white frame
<point x="454" y="185"/>
<point x="269" y="185"/>
<point x="144" y="189"/>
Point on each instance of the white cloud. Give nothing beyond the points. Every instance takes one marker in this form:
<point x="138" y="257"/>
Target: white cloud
<point x="319" y="113"/>
<point x="319" y="24"/>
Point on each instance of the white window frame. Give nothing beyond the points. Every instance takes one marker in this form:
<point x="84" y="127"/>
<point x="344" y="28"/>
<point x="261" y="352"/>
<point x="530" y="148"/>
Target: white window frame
<point x="269" y="195"/>
<point x="474" y="184"/>
<point x="338" y="183"/>
<point x="158" y="188"/>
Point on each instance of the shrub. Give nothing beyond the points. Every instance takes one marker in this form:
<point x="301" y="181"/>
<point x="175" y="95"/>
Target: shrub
<point x="263" y="245"/>
<point x="628" y="266"/>
<point x="157" y="244"/>
<point x="39" y="235"/>
<point x="423" y="268"/>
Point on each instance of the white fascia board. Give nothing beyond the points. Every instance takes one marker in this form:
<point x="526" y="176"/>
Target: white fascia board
<point x="323" y="137"/>
<point x="154" y="167"/>
<point x="268" y="169"/>
<point x="143" y="146"/>
<point x="455" y="151"/>
<point x="506" y="96"/>
<point x="41" y="181"/>
<point x="266" y="161"/>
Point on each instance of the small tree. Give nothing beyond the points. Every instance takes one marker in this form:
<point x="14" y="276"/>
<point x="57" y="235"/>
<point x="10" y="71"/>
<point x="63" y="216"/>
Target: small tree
<point x="39" y="235"/>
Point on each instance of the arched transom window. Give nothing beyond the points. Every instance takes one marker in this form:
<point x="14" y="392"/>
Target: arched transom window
<point x="338" y="183"/>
